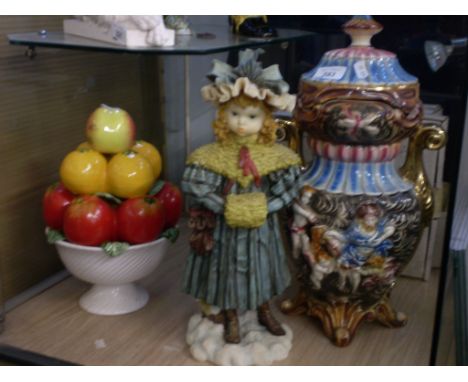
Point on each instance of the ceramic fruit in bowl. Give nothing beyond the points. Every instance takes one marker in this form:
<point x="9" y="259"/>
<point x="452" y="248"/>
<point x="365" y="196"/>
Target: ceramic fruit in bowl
<point x="90" y="221"/>
<point x="140" y="220"/>
<point x="55" y="200"/>
<point x="107" y="227"/>
<point x="151" y="154"/>
<point x="126" y="175"/>
<point x="84" y="171"/>
<point x="171" y="198"/>
<point x="358" y="219"/>
<point x="110" y="130"/>
<point x="129" y="174"/>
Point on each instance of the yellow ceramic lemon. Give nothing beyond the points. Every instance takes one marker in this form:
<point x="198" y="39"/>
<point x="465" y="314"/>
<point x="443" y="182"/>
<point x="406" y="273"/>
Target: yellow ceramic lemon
<point x="151" y="153"/>
<point x="129" y="175"/>
<point x="84" y="171"/>
<point x="84" y="145"/>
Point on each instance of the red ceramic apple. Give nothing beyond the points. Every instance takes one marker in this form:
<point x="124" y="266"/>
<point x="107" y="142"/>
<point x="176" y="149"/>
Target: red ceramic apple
<point x="171" y="198"/>
<point x="140" y="220"/>
<point x="56" y="199"/>
<point x="110" y="130"/>
<point x="89" y="220"/>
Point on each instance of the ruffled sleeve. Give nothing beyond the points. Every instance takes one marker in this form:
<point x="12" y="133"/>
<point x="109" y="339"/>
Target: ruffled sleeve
<point x="203" y="186"/>
<point x="284" y="188"/>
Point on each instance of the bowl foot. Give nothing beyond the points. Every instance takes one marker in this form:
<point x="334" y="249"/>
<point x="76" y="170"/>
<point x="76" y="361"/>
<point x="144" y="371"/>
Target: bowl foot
<point x="110" y="300"/>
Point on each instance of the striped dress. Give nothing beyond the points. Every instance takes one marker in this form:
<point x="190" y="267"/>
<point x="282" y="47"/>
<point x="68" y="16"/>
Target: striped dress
<point x="247" y="267"/>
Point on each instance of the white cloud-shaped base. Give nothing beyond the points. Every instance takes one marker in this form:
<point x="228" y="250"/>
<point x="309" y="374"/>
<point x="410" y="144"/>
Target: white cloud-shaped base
<point x="257" y="347"/>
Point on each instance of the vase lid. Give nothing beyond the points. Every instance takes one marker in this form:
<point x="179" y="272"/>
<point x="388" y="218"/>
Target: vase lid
<point x="360" y="63"/>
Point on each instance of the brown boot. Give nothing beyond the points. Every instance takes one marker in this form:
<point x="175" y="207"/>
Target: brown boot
<point x="217" y="318"/>
<point x="266" y="318"/>
<point x="231" y="327"/>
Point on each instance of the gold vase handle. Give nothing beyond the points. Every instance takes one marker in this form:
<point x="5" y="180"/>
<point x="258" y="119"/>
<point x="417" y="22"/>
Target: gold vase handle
<point x="288" y="132"/>
<point x="426" y="137"/>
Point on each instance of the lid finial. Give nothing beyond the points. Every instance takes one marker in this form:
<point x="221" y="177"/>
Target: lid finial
<point x="361" y="29"/>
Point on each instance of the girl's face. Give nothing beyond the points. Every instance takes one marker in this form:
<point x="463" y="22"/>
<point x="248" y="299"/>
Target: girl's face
<point x="370" y="220"/>
<point x="305" y="198"/>
<point x="244" y="121"/>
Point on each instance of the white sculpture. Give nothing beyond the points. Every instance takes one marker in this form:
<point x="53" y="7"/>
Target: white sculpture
<point x="137" y="30"/>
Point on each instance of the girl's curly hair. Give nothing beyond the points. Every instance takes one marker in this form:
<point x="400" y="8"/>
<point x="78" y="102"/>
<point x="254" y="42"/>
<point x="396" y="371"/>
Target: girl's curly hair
<point x="267" y="134"/>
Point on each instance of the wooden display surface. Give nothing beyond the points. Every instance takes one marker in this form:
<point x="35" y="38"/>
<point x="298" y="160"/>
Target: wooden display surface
<point x="53" y="324"/>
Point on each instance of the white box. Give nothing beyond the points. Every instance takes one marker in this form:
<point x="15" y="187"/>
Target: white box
<point x="113" y="35"/>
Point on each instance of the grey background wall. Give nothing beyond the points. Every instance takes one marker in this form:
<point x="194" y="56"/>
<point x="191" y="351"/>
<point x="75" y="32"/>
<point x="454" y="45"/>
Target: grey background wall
<point x="201" y="113"/>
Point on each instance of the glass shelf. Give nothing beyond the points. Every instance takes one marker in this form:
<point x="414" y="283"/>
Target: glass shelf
<point x="206" y="39"/>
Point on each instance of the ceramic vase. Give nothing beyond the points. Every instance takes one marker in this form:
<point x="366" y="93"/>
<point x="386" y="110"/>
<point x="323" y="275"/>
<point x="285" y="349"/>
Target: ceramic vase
<point x="358" y="219"/>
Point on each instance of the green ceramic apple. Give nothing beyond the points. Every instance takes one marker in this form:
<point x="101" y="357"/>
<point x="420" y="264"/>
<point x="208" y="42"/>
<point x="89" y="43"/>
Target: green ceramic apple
<point x="110" y="130"/>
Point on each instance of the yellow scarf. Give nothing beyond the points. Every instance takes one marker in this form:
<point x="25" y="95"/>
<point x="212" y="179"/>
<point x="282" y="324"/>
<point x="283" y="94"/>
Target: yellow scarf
<point x="223" y="158"/>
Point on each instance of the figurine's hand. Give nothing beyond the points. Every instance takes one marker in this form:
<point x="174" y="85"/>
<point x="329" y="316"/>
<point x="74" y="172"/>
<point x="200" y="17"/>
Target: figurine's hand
<point x="310" y="258"/>
<point x="312" y="218"/>
<point x="388" y="231"/>
<point x="202" y="223"/>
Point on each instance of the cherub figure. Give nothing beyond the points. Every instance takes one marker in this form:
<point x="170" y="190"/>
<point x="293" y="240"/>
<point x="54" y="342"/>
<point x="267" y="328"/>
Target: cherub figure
<point x="303" y="216"/>
<point x="325" y="248"/>
<point x="366" y="237"/>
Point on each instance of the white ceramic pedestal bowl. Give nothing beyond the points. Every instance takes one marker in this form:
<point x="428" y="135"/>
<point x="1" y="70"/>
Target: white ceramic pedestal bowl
<point x="113" y="291"/>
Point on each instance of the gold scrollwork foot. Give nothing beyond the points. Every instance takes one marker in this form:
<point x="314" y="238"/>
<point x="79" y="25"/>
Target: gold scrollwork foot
<point x="388" y="316"/>
<point x="296" y="305"/>
<point x="339" y="320"/>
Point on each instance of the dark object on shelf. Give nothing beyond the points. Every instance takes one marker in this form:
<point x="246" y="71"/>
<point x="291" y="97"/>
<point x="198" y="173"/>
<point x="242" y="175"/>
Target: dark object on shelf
<point x="252" y="26"/>
<point x="19" y="357"/>
<point x="206" y="36"/>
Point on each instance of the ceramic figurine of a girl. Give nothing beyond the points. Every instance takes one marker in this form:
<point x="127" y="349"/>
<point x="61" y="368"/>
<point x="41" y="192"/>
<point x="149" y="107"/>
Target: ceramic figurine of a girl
<point x="236" y="185"/>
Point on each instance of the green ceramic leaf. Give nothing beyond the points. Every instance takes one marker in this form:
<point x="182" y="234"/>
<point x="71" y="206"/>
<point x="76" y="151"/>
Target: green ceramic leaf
<point x="109" y="197"/>
<point x="54" y="235"/>
<point x="156" y="187"/>
<point x="115" y="248"/>
<point x="171" y="234"/>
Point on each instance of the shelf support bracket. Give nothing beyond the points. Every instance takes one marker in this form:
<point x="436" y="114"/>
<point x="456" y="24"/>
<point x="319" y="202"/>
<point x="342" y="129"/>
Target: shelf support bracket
<point x="30" y="52"/>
